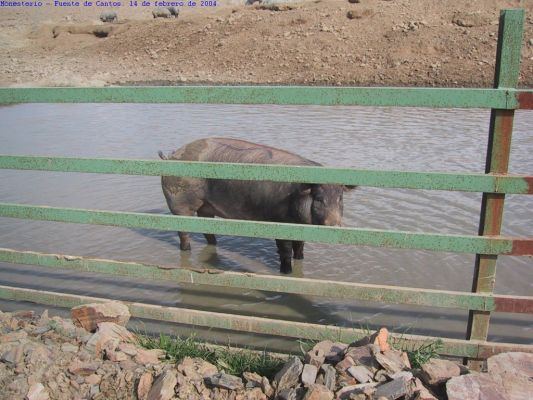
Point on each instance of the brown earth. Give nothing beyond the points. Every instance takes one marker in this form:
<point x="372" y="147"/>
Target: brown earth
<point x="322" y="42"/>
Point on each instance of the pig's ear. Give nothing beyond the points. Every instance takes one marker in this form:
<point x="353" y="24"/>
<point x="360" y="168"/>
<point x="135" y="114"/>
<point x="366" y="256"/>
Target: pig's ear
<point x="348" y="188"/>
<point x="305" y="189"/>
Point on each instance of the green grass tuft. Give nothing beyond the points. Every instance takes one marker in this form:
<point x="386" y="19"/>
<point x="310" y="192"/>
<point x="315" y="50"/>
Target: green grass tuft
<point x="231" y="361"/>
<point x="420" y="356"/>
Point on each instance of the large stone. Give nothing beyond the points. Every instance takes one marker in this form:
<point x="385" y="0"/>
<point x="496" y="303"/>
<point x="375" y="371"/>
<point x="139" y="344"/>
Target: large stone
<point x="108" y="331"/>
<point x="291" y="394"/>
<point x="437" y="371"/>
<point x="88" y="316"/>
<point x="474" y="387"/>
<point x="315" y="357"/>
<point x="330" y="376"/>
<point x="333" y="352"/>
<point x="391" y="360"/>
<point x="513" y="371"/>
<point x="152" y="356"/>
<point x="145" y="384"/>
<point x="346" y="363"/>
<point x="224" y="381"/>
<point x="163" y="388"/>
<point x="254" y="394"/>
<point x="309" y="374"/>
<point x="361" y="373"/>
<point x="363" y="356"/>
<point x="318" y="392"/>
<point x="83" y="368"/>
<point x="289" y="375"/>
<point x="421" y="392"/>
<point x="382" y="339"/>
<point x="394" y="389"/>
<point x="196" y="368"/>
<point x="13" y="354"/>
<point x="252" y="380"/>
<point x="348" y="392"/>
<point x="266" y="387"/>
<point x="37" y="392"/>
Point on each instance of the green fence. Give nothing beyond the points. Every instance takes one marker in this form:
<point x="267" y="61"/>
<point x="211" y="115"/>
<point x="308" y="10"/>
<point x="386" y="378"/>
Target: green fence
<point x="503" y="99"/>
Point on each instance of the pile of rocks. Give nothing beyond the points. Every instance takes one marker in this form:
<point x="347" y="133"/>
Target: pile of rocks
<point x="93" y="356"/>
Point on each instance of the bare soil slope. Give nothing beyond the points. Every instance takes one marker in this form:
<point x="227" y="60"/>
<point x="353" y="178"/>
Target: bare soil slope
<point x="323" y="42"/>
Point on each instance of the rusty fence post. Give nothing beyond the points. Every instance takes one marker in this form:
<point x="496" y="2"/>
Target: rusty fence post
<point x="498" y="150"/>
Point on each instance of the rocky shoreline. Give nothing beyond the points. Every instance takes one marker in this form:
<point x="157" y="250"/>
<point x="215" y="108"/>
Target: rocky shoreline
<point x="93" y="356"/>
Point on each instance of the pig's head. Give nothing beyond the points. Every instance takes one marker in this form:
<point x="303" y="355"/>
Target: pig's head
<point x="324" y="204"/>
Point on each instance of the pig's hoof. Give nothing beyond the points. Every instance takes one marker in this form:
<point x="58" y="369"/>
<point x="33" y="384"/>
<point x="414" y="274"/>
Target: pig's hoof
<point x="285" y="269"/>
<point x="185" y="247"/>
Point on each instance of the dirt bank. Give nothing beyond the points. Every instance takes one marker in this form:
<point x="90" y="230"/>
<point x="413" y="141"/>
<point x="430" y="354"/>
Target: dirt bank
<point x="373" y="42"/>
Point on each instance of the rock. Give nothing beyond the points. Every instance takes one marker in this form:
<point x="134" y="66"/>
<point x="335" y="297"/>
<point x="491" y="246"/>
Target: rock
<point x="82" y="368"/>
<point x="252" y="380"/>
<point x="513" y="372"/>
<point x="289" y="375"/>
<point x="309" y="374"/>
<point x="318" y="392"/>
<point x="394" y="389"/>
<point x="225" y="381"/>
<point x="163" y="388"/>
<point x="381" y="340"/>
<point x="13" y="336"/>
<point x="315" y="357"/>
<point x="128" y="348"/>
<point x="291" y="394"/>
<point x="348" y="392"/>
<point x="13" y="355"/>
<point x="196" y="368"/>
<point x="88" y="316"/>
<point x="152" y="356"/>
<point x="361" y="373"/>
<point x="437" y="371"/>
<point x="391" y="360"/>
<point x="474" y="387"/>
<point x="37" y="392"/>
<point x="469" y="19"/>
<point x="363" y="356"/>
<point x="108" y="331"/>
<point x="69" y="348"/>
<point x="254" y="394"/>
<point x="333" y="352"/>
<point x="330" y="376"/>
<point x="266" y="387"/>
<point x="117" y="356"/>
<point x="93" y="379"/>
<point x="145" y="384"/>
<point x="346" y="363"/>
<point x="421" y="392"/>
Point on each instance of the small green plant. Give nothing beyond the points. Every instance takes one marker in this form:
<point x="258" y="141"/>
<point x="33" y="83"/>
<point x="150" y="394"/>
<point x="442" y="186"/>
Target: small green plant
<point x="421" y="355"/>
<point x="231" y="361"/>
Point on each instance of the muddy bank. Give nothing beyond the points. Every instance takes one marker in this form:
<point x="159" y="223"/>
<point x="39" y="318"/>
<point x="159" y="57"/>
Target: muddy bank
<point x="371" y="42"/>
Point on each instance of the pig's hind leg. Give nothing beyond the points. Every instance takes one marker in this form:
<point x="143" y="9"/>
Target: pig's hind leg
<point x="206" y="212"/>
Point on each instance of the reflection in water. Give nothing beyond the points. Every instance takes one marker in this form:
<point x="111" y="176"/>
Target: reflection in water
<point x="366" y="138"/>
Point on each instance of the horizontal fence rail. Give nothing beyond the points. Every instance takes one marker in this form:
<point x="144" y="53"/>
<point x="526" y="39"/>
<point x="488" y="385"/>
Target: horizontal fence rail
<point x="275" y="230"/>
<point x="241" y="323"/>
<point x="302" y="286"/>
<point x="278" y="173"/>
<point x="502" y="98"/>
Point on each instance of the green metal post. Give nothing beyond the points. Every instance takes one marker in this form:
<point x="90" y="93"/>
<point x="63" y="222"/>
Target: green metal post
<point x="498" y="150"/>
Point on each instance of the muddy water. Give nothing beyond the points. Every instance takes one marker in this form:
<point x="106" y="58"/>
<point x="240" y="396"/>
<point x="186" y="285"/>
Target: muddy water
<point x="368" y="138"/>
